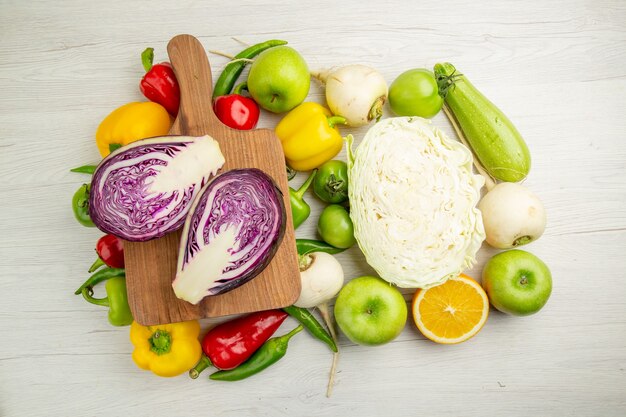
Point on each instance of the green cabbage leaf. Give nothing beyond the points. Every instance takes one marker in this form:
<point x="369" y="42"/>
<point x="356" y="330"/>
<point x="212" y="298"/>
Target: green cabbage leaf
<point x="413" y="198"/>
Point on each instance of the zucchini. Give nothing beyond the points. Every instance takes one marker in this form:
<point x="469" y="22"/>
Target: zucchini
<point x="495" y="141"/>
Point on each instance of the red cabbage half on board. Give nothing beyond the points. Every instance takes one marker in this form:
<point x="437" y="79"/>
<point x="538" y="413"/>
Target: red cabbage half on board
<point x="231" y="234"/>
<point x="145" y="190"/>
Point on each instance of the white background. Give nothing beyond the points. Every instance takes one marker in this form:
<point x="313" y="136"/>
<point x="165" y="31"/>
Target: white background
<point x="556" y="68"/>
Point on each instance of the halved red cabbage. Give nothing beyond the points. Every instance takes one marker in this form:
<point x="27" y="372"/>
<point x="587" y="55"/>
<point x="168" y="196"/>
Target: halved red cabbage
<point x="145" y="190"/>
<point x="231" y="234"/>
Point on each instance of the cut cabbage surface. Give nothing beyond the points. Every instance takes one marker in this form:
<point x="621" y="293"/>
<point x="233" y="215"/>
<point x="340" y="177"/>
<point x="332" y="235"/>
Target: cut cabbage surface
<point x="413" y="198"/>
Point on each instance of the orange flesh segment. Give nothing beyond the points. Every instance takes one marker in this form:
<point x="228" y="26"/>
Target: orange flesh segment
<point x="451" y="312"/>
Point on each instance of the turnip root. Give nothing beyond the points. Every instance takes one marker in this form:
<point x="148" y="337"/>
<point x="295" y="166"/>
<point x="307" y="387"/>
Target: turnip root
<point x="356" y="92"/>
<point x="322" y="278"/>
<point x="512" y="215"/>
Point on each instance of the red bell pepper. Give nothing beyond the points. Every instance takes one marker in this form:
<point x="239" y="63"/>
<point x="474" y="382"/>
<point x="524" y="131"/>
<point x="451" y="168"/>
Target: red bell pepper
<point x="159" y="84"/>
<point x="110" y="252"/>
<point x="237" y="111"/>
<point x="229" y="344"/>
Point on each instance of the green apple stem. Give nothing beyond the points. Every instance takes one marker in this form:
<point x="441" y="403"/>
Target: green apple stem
<point x="336" y="120"/>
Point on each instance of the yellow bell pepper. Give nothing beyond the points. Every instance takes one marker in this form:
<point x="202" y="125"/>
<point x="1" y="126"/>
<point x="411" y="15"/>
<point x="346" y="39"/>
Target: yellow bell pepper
<point x="131" y="122"/>
<point x="309" y="136"/>
<point x="166" y="349"/>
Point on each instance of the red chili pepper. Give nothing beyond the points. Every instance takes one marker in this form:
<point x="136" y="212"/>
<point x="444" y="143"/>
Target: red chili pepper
<point x="159" y="84"/>
<point x="110" y="252"/>
<point x="237" y="111"/>
<point x="229" y="344"/>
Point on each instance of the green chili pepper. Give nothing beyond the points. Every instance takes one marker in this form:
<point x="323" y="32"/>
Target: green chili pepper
<point x="314" y="327"/>
<point x="80" y="205"/>
<point x="116" y="300"/>
<point x="85" y="169"/>
<point x="306" y="246"/>
<point x="101" y="275"/>
<point x="271" y="352"/>
<point x="233" y="70"/>
<point x="300" y="210"/>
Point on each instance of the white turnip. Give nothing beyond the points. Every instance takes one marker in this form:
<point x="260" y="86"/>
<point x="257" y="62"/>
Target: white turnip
<point x="356" y="92"/>
<point x="512" y="215"/>
<point x="322" y="278"/>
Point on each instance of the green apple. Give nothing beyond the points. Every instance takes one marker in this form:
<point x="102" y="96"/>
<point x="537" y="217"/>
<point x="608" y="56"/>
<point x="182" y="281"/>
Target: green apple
<point x="370" y="311"/>
<point x="517" y="282"/>
<point x="279" y="79"/>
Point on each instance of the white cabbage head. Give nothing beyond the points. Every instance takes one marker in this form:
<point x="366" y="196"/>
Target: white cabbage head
<point x="413" y="199"/>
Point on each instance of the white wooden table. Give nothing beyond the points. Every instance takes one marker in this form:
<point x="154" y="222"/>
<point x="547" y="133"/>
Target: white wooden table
<point x="555" y="67"/>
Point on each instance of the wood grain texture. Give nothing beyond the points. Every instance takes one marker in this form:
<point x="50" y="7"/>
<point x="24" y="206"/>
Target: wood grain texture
<point x="555" y="67"/>
<point x="151" y="266"/>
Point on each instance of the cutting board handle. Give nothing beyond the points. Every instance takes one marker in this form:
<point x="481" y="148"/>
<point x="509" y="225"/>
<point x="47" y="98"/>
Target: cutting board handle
<point x="193" y="73"/>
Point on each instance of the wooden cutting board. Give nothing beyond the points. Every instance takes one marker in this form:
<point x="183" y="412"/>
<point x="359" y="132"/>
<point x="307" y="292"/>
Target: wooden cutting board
<point x="151" y="266"/>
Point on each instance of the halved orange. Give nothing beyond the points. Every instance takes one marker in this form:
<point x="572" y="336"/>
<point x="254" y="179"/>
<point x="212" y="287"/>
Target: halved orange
<point x="451" y="312"/>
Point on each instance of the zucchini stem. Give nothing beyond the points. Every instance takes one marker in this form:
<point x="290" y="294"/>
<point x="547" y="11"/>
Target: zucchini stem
<point x="489" y="181"/>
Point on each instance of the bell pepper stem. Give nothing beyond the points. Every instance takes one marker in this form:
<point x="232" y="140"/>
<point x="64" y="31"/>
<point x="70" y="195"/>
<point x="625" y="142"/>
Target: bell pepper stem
<point x="300" y="192"/>
<point x="202" y="364"/>
<point x="114" y="146"/>
<point x="160" y="342"/>
<point x="97" y="264"/>
<point x="336" y="120"/>
<point x="88" y="295"/>
<point x="240" y="87"/>
<point x="147" y="58"/>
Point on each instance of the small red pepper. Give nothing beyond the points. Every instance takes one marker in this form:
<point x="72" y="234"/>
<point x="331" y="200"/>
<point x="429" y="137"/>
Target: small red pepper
<point x="237" y="111"/>
<point x="110" y="252"/>
<point x="159" y="84"/>
<point x="229" y="344"/>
